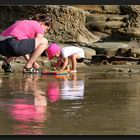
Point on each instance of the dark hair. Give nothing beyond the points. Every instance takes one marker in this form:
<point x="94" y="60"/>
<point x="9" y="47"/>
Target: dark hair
<point x="80" y="60"/>
<point x="43" y="18"/>
<point x="44" y="54"/>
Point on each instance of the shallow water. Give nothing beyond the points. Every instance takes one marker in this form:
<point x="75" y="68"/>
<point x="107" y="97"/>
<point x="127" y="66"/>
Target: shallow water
<point x="93" y="102"/>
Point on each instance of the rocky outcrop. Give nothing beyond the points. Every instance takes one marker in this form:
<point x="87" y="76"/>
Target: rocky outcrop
<point x="114" y="22"/>
<point x="69" y="25"/>
<point x="68" y="21"/>
<point x="93" y="27"/>
<point x="81" y="23"/>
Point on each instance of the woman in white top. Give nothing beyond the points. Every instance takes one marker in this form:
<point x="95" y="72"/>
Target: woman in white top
<point x="73" y="53"/>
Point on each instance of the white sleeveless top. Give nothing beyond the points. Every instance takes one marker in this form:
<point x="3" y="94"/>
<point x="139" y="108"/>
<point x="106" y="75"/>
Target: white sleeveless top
<point x="68" y="51"/>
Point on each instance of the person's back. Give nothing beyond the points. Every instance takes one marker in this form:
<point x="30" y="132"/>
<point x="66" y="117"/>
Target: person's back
<point x="23" y="29"/>
<point x="68" y="51"/>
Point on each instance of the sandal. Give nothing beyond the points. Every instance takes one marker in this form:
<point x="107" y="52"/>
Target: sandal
<point x="30" y="70"/>
<point x="7" y="67"/>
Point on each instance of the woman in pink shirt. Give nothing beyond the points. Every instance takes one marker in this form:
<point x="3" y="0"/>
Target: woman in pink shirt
<point x="25" y="38"/>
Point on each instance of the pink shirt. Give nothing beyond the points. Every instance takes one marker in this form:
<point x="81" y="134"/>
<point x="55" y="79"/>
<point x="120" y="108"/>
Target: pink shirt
<point x="24" y="29"/>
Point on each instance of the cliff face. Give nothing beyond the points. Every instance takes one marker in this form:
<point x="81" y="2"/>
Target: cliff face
<point x="68" y="22"/>
<point x="84" y="24"/>
<point x="114" y="21"/>
<point x="69" y="25"/>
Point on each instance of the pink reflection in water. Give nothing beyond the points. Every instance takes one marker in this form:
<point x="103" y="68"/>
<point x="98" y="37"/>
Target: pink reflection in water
<point x="53" y="91"/>
<point x="31" y="117"/>
<point x="28" y="113"/>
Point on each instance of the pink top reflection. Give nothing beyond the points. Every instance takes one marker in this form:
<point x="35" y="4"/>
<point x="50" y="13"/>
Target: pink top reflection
<point x="28" y="113"/>
<point x="53" y="91"/>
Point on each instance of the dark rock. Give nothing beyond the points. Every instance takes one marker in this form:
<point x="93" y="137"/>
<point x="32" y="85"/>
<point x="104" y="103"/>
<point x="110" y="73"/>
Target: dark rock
<point x="105" y="59"/>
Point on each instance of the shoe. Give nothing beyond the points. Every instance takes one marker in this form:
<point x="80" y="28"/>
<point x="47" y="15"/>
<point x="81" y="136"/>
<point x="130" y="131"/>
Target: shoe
<point x="7" y="67"/>
<point x="30" y="70"/>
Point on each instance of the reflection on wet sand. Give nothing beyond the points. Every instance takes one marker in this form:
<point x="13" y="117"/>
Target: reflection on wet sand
<point x="53" y="91"/>
<point x="72" y="89"/>
<point x="82" y="103"/>
<point x="68" y="88"/>
<point x="27" y="103"/>
<point x="25" y="112"/>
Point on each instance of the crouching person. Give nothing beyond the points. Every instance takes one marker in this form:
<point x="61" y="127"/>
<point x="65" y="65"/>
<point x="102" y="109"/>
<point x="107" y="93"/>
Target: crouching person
<point x="25" y="38"/>
<point x="66" y="55"/>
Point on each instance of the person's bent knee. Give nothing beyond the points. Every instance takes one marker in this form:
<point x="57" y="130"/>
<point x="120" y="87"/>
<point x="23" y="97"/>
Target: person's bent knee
<point x="41" y="41"/>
